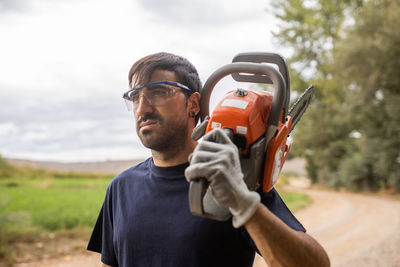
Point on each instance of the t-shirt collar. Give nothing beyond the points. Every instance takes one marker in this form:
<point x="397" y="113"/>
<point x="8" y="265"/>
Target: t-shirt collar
<point x="170" y="172"/>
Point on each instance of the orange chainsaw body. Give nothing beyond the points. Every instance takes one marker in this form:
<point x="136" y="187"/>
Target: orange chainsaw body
<point x="246" y="113"/>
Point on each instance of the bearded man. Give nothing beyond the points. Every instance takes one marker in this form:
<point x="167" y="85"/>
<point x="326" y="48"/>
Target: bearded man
<point x="145" y="219"/>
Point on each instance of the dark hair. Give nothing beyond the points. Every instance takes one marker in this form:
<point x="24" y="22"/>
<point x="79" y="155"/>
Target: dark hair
<point x="142" y="70"/>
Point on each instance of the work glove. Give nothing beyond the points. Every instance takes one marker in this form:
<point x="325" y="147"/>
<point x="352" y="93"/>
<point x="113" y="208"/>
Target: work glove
<point x="216" y="159"/>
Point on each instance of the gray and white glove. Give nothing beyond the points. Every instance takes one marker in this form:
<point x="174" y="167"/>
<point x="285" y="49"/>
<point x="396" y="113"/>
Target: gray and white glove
<point x="216" y="158"/>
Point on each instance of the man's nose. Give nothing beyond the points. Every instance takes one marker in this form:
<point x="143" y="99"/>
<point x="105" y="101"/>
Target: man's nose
<point x="143" y="106"/>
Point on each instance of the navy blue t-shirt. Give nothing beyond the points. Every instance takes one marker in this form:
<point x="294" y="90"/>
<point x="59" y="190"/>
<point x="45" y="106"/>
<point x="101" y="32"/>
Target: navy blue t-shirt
<point x="145" y="221"/>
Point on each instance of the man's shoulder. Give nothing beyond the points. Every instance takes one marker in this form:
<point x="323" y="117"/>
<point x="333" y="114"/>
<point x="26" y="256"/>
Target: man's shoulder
<point x="144" y="165"/>
<point x="136" y="170"/>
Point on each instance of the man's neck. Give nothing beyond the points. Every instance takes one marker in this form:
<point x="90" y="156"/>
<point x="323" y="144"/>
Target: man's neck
<point x="174" y="156"/>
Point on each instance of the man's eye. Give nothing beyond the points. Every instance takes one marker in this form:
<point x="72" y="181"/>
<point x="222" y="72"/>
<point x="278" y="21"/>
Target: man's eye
<point x="134" y="96"/>
<point x="159" y="91"/>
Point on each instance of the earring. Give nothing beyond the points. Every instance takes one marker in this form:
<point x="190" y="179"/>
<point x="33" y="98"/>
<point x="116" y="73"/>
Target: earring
<point x="192" y="115"/>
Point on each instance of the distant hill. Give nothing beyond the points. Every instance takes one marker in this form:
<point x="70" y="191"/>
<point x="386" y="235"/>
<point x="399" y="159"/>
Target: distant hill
<point x="296" y="165"/>
<point x="108" y="166"/>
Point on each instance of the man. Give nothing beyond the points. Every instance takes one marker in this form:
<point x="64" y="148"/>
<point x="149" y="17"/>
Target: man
<point x="145" y="219"/>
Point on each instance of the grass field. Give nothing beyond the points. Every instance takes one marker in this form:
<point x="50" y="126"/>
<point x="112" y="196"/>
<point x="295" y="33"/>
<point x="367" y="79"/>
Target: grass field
<point x="34" y="208"/>
<point x="40" y="209"/>
<point x="295" y="201"/>
<point x="51" y="204"/>
<point x="55" y="204"/>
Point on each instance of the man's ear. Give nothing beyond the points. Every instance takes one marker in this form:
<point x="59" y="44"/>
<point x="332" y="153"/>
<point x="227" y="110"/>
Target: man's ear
<point x="194" y="103"/>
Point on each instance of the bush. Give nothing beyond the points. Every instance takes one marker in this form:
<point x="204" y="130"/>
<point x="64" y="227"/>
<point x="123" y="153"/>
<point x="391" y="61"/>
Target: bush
<point x="6" y="170"/>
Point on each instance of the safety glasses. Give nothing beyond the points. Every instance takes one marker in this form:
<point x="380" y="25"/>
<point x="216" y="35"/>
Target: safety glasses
<point x="155" y="93"/>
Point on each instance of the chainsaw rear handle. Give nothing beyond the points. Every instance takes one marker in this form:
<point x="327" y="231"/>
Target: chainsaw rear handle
<point x="205" y="206"/>
<point x="278" y="100"/>
<point x="201" y="203"/>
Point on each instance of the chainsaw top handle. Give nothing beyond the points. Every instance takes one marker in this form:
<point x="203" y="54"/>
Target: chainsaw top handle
<point x="280" y="92"/>
<point x="265" y="57"/>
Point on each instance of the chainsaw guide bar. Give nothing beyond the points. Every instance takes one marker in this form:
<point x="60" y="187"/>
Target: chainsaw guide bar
<point x="298" y="108"/>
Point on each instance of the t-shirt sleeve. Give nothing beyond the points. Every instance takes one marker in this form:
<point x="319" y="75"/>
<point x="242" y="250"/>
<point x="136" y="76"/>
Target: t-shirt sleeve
<point x="275" y="204"/>
<point x="96" y="237"/>
<point x="102" y="236"/>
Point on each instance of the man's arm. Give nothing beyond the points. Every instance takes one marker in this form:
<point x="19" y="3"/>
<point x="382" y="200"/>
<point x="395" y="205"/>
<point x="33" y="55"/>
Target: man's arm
<point x="216" y="158"/>
<point x="105" y="265"/>
<point x="280" y="245"/>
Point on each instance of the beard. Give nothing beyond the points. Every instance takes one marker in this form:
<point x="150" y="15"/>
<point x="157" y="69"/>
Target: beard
<point x="169" y="135"/>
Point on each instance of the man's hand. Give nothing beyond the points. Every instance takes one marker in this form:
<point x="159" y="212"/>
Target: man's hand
<point x="216" y="159"/>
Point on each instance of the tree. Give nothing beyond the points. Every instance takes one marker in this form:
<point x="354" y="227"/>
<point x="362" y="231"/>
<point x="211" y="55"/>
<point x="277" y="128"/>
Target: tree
<point x="368" y="62"/>
<point x="311" y="28"/>
<point x="347" y="140"/>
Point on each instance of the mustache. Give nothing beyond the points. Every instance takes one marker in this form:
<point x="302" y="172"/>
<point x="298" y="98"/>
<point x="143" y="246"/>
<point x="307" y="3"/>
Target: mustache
<point x="148" y="117"/>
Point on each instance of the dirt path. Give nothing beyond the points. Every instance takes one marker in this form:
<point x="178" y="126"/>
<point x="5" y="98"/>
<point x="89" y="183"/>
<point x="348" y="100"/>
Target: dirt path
<point x="355" y="230"/>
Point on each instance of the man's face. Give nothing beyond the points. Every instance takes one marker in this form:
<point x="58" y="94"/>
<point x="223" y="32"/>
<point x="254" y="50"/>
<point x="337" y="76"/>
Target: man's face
<point x="164" y="125"/>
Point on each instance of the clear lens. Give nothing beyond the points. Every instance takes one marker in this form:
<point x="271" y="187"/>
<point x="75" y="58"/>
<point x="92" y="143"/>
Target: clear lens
<point x="154" y="93"/>
<point x="129" y="104"/>
<point x="157" y="94"/>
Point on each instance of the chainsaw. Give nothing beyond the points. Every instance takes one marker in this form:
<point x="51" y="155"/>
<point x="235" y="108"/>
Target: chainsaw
<point x="258" y="123"/>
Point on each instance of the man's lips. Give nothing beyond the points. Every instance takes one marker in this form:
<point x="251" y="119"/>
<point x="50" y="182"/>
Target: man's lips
<point x="147" y="124"/>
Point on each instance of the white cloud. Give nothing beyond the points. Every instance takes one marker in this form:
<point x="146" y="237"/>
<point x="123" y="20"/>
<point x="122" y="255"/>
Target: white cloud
<point x="7" y="128"/>
<point x="64" y="66"/>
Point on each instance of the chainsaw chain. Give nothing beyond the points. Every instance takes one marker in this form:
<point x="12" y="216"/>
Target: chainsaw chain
<point x="298" y="108"/>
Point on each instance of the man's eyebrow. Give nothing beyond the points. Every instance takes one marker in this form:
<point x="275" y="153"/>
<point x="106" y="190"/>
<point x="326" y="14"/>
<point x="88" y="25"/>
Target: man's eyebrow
<point x="158" y="85"/>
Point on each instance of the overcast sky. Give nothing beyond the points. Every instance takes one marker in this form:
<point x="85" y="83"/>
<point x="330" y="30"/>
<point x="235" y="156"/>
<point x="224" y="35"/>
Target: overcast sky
<point x="64" y="66"/>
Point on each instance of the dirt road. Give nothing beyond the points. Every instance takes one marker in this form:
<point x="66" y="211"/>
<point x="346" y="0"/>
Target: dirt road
<point x="355" y="230"/>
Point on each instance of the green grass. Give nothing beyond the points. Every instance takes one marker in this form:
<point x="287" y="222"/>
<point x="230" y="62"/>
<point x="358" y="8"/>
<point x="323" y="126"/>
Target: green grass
<point x="55" y="204"/>
<point x="33" y="208"/>
<point x="51" y="204"/>
<point x="295" y="201"/>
